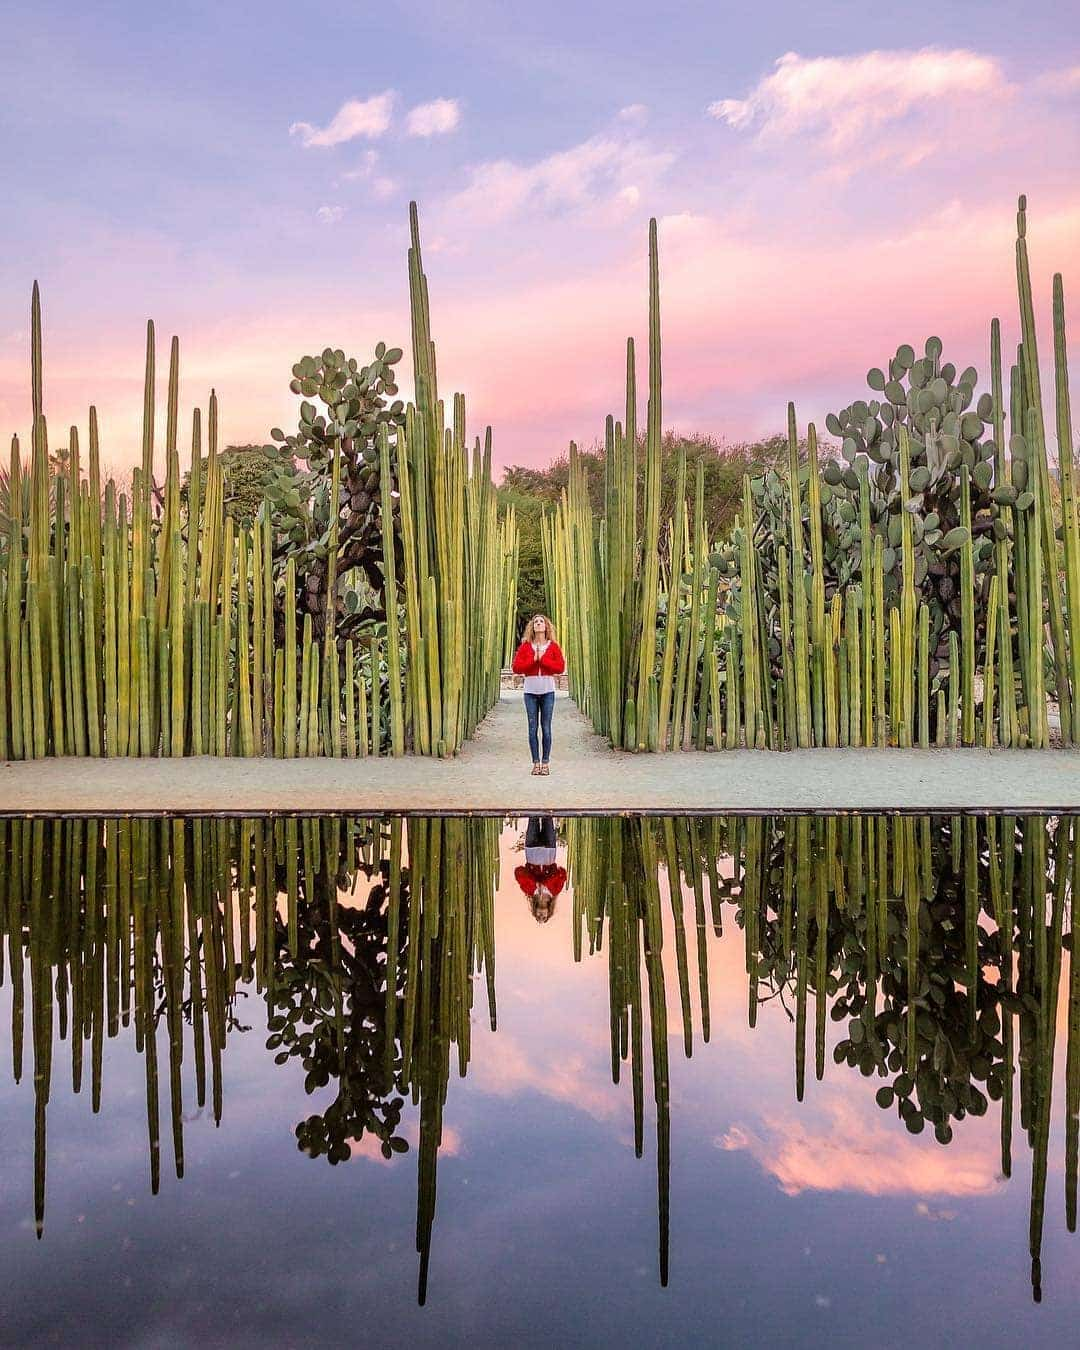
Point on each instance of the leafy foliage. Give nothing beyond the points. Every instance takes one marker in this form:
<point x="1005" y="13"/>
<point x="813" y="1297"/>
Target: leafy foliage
<point x="248" y="472"/>
<point x="329" y="1012"/>
<point x="949" y="429"/>
<point x="725" y="466"/>
<point x="352" y="402"/>
<point x="959" y="1051"/>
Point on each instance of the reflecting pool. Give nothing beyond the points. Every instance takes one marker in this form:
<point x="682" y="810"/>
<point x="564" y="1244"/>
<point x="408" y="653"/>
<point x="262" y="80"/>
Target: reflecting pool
<point x="587" y="1081"/>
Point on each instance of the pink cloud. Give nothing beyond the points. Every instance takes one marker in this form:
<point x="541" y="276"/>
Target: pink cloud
<point x="506" y="1068"/>
<point x="836" y="100"/>
<point x="366" y="171"/>
<point x="870" y="1157"/>
<point x="576" y="179"/>
<point x="369" y="117"/>
<point x="436" y="118"/>
<point x="1063" y="82"/>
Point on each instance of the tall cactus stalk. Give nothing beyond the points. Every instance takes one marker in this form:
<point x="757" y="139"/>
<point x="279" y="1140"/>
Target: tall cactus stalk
<point x="903" y="670"/>
<point x="1070" y="510"/>
<point x="651" y="543"/>
<point x="288" y="694"/>
<point x="1032" y="421"/>
<point x="1007" y="717"/>
<point x="798" y="591"/>
<point x="671" y="627"/>
<point x="390" y="590"/>
<point x="967" y="613"/>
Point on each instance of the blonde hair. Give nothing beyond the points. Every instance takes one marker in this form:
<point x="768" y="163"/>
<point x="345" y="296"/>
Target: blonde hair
<point x="550" y="634"/>
<point x="542" y="904"/>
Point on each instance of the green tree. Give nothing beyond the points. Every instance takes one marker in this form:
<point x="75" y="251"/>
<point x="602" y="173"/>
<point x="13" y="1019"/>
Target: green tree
<point x="532" y="594"/>
<point x="725" y="464"/>
<point x="531" y="491"/>
<point x="248" y="473"/>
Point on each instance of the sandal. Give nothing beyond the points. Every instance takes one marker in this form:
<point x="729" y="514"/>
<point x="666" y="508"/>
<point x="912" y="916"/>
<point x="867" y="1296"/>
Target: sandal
<point x="544" y="769"/>
<point x="536" y="770"/>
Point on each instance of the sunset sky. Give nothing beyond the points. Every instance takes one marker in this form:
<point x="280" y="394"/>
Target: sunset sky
<point x="829" y="181"/>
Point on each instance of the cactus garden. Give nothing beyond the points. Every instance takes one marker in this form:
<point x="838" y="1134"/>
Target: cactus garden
<point x="916" y="584"/>
<point x="911" y="578"/>
<point x="539" y="676"/>
<point x="364" y="610"/>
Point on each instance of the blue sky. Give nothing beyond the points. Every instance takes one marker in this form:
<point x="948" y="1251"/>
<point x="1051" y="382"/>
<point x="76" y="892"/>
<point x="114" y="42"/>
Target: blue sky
<point x="151" y="172"/>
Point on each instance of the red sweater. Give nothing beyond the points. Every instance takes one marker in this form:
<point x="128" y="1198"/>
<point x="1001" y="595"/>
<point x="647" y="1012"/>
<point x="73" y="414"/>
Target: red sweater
<point x="551" y="662"/>
<point x="533" y="874"/>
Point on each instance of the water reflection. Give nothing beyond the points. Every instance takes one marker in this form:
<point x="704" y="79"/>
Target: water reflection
<point x="935" y="945"/>
<point x="541" y="876"/>
<point x="936" y="942"/>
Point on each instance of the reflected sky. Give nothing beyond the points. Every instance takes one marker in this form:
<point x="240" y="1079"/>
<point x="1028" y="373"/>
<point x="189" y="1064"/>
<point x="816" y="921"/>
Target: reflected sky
<point x="790" y="1223"/>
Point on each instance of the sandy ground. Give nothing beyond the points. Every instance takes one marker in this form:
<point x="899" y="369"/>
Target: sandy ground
<point x="491" y="776"/>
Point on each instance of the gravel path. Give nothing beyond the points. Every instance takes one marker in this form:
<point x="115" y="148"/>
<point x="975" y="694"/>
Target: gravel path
<point x="491" y="776"/>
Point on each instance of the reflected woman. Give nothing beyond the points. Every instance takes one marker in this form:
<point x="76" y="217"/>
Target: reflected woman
<point x="541" y="878"/>
<point x="539" y="659"/>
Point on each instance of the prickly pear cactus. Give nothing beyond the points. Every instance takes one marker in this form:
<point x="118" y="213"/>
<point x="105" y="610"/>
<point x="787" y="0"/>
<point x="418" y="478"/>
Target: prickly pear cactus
<point x="355" y="400"/>
<point x="949" y="427"/>
<point x="347" y="1056"/>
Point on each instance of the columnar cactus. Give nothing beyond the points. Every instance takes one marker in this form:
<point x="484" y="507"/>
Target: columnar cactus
<point x="130" y="625"/>
<point x="905" y="588"/>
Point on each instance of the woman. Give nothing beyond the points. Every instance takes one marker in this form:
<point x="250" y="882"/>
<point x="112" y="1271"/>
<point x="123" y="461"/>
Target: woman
<point x="539" y="660"/>
<point x="541" y="879"/>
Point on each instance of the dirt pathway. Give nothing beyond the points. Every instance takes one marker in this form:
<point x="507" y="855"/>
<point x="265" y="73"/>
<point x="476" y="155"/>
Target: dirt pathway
<point x="491" y="776"/>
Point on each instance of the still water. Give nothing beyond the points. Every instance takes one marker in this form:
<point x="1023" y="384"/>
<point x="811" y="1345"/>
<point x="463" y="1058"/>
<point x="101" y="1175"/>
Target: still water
<point x="539" y="1082"/>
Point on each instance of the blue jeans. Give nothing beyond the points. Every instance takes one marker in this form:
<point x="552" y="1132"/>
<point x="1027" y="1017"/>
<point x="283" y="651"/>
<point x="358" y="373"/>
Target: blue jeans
<point x="540" y="832"/>
<point x="540" y="707"/>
